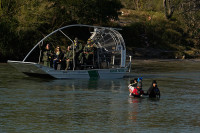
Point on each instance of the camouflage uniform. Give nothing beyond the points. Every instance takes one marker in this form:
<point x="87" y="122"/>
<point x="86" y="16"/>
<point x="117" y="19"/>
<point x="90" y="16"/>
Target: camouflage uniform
<point x="69" y="58"/>
<point x="47" y="58"/>
<point x="78" y="50"/>
<point x="89" y="53"/>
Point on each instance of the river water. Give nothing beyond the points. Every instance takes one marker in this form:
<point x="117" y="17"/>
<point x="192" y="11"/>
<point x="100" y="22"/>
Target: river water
<point x="37" y="105"/>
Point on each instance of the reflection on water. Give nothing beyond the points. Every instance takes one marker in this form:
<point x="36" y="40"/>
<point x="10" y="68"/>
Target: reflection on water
<point x="39" y="105"/>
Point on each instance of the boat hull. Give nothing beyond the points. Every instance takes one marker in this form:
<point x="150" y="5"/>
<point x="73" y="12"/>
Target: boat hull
<point x="37" y="70"/>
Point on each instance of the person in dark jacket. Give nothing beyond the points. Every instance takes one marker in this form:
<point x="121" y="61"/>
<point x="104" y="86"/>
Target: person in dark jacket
<point x="58" y="57"/>
<point x="153" y="91"/>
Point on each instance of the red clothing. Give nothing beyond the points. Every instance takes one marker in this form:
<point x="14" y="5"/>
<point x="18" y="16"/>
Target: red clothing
<point x="135" y="92"/>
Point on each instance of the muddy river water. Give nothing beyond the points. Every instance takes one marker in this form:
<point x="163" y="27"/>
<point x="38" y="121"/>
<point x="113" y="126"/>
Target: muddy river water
<point x="38" y="105"/>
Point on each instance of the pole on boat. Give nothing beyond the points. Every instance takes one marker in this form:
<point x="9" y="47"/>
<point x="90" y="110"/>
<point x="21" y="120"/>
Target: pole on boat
<point x="73" y="57"/>
<point x="40" y="52"/>
<point x="113" y="60"/>
<point x="65" y="35"/>
<point x="130" y="57"/>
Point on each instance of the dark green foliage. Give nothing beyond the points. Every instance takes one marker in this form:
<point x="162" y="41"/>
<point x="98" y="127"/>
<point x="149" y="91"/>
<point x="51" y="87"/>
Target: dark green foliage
<point x="133" y="35"/>
<point x="23" y="22"/>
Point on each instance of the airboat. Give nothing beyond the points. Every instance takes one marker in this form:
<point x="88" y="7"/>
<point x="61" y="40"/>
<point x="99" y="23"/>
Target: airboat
<point x="111" y="56"/>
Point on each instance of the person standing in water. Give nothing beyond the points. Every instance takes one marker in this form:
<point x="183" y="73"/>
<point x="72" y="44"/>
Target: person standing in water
<point x="153" y="91"/>
<point x="139" y="86"/>
<point x="132" y="86"/>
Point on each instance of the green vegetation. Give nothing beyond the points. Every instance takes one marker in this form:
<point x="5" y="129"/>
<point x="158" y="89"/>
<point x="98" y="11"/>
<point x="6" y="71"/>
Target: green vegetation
<point x="152" y="31"/>
<point x="170" y="28"/>
<point x="146" y="24"/>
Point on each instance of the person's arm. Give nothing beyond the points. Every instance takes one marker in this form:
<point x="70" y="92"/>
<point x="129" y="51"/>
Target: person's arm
<point x="149" y="90"/>
<point x="145" y="93"/>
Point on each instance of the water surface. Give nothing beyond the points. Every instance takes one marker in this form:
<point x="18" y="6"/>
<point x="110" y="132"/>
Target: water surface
<point x="38" y="105"/>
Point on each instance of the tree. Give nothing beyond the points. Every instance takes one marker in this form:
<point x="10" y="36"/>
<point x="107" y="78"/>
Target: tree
<point x="190" y="12"/>
<point x="22" y="22"/>
<point x="91" y="11"/>
<point x="147" y="5"/>
<point x="169" y="8"/>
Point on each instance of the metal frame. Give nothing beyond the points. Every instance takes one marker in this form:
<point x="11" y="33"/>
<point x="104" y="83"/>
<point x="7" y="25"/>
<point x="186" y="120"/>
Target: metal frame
<point x="113" y="33"/>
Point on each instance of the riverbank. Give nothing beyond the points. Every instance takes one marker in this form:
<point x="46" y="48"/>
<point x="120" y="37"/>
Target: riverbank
<point x="152" y="53"/>
<point x="151" y="35"/>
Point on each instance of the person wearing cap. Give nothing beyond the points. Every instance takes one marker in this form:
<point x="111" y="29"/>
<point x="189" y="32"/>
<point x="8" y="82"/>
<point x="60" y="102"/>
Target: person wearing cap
<point x="139" y="86"/>
<point x="153" y="91"/>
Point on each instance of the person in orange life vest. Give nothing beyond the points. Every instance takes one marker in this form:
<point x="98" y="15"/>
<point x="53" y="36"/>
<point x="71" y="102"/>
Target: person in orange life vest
<point x="132" y="86"/>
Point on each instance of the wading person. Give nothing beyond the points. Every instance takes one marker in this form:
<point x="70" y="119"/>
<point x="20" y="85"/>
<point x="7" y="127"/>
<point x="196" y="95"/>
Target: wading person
<point x="132" y="86"/>
<point x="153" y="91"/>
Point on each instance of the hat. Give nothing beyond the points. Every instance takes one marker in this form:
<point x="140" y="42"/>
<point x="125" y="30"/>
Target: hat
<point x="139" y="79"/>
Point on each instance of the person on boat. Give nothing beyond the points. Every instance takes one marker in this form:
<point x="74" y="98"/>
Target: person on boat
<point x="69" y="57"/>
<point x="77" y="45"/>
<point x="78" y="48"/>
<point x="132" y="86"/>
<point x="47" y="56"/>
<point x="89" y="52"/>
<point x="153" y="91"/>
<point x="58" y="57"/>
